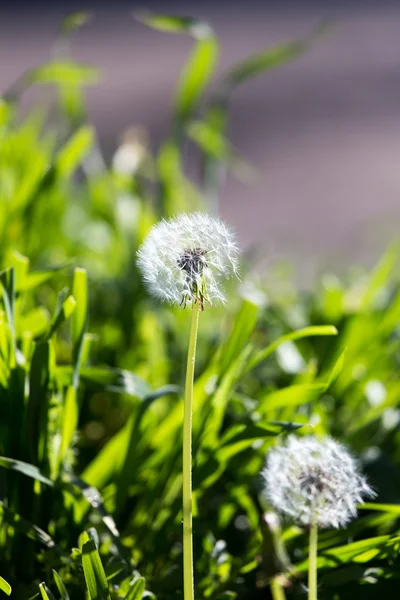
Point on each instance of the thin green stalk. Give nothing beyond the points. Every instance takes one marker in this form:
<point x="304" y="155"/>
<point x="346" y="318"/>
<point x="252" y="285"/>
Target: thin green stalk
<point x="312" y="563"/>
<point x="188" y="580"/>
<point x="277" y="591"/>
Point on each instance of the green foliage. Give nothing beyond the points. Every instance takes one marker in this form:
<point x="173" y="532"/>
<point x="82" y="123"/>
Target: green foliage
<point x="91" y="369"/>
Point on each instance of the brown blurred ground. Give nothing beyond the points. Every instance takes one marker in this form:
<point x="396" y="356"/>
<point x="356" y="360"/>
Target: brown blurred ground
<point x="324" y="132"/>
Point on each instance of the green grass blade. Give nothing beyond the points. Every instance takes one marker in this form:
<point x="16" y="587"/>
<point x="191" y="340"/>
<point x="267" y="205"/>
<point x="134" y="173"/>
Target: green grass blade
<point x="293" y="395"/>
<point x="92" y="495"/>
<point x="64" y="309"/>
<point x="200" y="65"/>
<point x="4" y="586"/>
<point x="381" y="274"/>
<point x="45" y="592"/>
<point x="63" y="72"/>
<point x="79" y="321"/>
<point x="60" y="586"/>
<point x="36" y="278"/>
<point x="390" y="508"/>
<point x="95" y="576"/>
<point x="69" y="421"/>
<point x="73" y="22"/>
<point x="195" y="76"/>
<point x="7" y="282"/>
<point x="137" y="589"/>
<point x="312" y="331"/>
<point x="360" y="552"/>
<point x="71" y="155"/>
<point x="270" y="59"/>
<point x="38" y="404"/>
<point x="243" y="327"/>
<point x="174" y="24"/>
<point x="25" y="468"/>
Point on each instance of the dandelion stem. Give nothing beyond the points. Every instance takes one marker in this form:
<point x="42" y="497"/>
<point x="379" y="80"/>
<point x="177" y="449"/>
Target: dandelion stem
<point x="277" y="591"/>
<point x="312" y="562"/>
<point x="188" y="584"/>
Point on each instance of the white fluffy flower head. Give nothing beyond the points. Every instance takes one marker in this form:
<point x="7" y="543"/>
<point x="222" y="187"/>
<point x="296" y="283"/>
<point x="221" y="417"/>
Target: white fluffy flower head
<point x="184" y="260"/>
<point x="313" y="480"/>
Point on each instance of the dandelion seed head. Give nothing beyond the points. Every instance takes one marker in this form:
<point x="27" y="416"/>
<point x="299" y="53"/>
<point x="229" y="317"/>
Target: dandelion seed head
<point x="314" y="480"/>
<point x="185" y="260"/>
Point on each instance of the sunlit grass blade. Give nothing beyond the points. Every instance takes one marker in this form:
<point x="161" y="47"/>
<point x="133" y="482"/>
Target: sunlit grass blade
<point x="5" y="587"/>
<point x="63" y="72"/>
<point x="195" y="76"/>
<point x="45" y="592"/>
<point x="95" y="576"/>
<point x="79" y="320"/>
<point x="60" y="586"/>
<point x="71" y="155"/>
<point x="314" y="330"/>
<point x="26" y="469"/>
<point x="36" y="278"/>
<point x="243" y="326"/>
<point x="74" y="21"/>
<point x="174" y="24"/>
<point x="271" y="58"/>
<point x="69" y="422"/>
<point x="64" y="309"/>
<point x="137" y="589"/>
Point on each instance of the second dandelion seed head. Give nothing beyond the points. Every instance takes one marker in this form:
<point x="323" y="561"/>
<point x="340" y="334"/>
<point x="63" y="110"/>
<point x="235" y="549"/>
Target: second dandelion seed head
<point x="314" y="481"/>
<point x="184" y="260"/>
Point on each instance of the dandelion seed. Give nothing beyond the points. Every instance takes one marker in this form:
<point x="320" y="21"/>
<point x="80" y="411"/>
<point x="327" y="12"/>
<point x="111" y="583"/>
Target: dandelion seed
<point x="184" y="260"/>
<point x="314" y="481"/>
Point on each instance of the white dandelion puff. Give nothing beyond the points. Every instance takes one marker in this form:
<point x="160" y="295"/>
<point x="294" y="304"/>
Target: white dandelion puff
<point x="314" y="481"/>
<point x="185" y="260"/>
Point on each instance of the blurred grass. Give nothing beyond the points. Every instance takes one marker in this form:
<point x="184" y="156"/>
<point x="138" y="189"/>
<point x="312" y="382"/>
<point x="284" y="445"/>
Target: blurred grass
<point x="91" y="369"/>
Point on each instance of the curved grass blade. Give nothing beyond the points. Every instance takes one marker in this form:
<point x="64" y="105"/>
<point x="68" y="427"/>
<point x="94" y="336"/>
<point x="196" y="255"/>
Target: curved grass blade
<point x="5" y="586"/>
<point x="360" y="552"/>
<point x="271" y="58"/>
<point x="63" y="72"/>
<point x="60" y="586"/>
<point x="200" y="65"/>
<point x="26" y="469"/>
<point x="74" y="21"/>
<point x="314" y="330"/>
<point x="175" y="24"/>
<point x="45" y="592"/>
<point x="292" y="395"/>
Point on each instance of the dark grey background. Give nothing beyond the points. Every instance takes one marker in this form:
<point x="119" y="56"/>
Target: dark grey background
<point x="323" y="132"/>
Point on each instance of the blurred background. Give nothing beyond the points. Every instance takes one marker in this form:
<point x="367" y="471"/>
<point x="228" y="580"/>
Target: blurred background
<point x="323" y="132"/>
